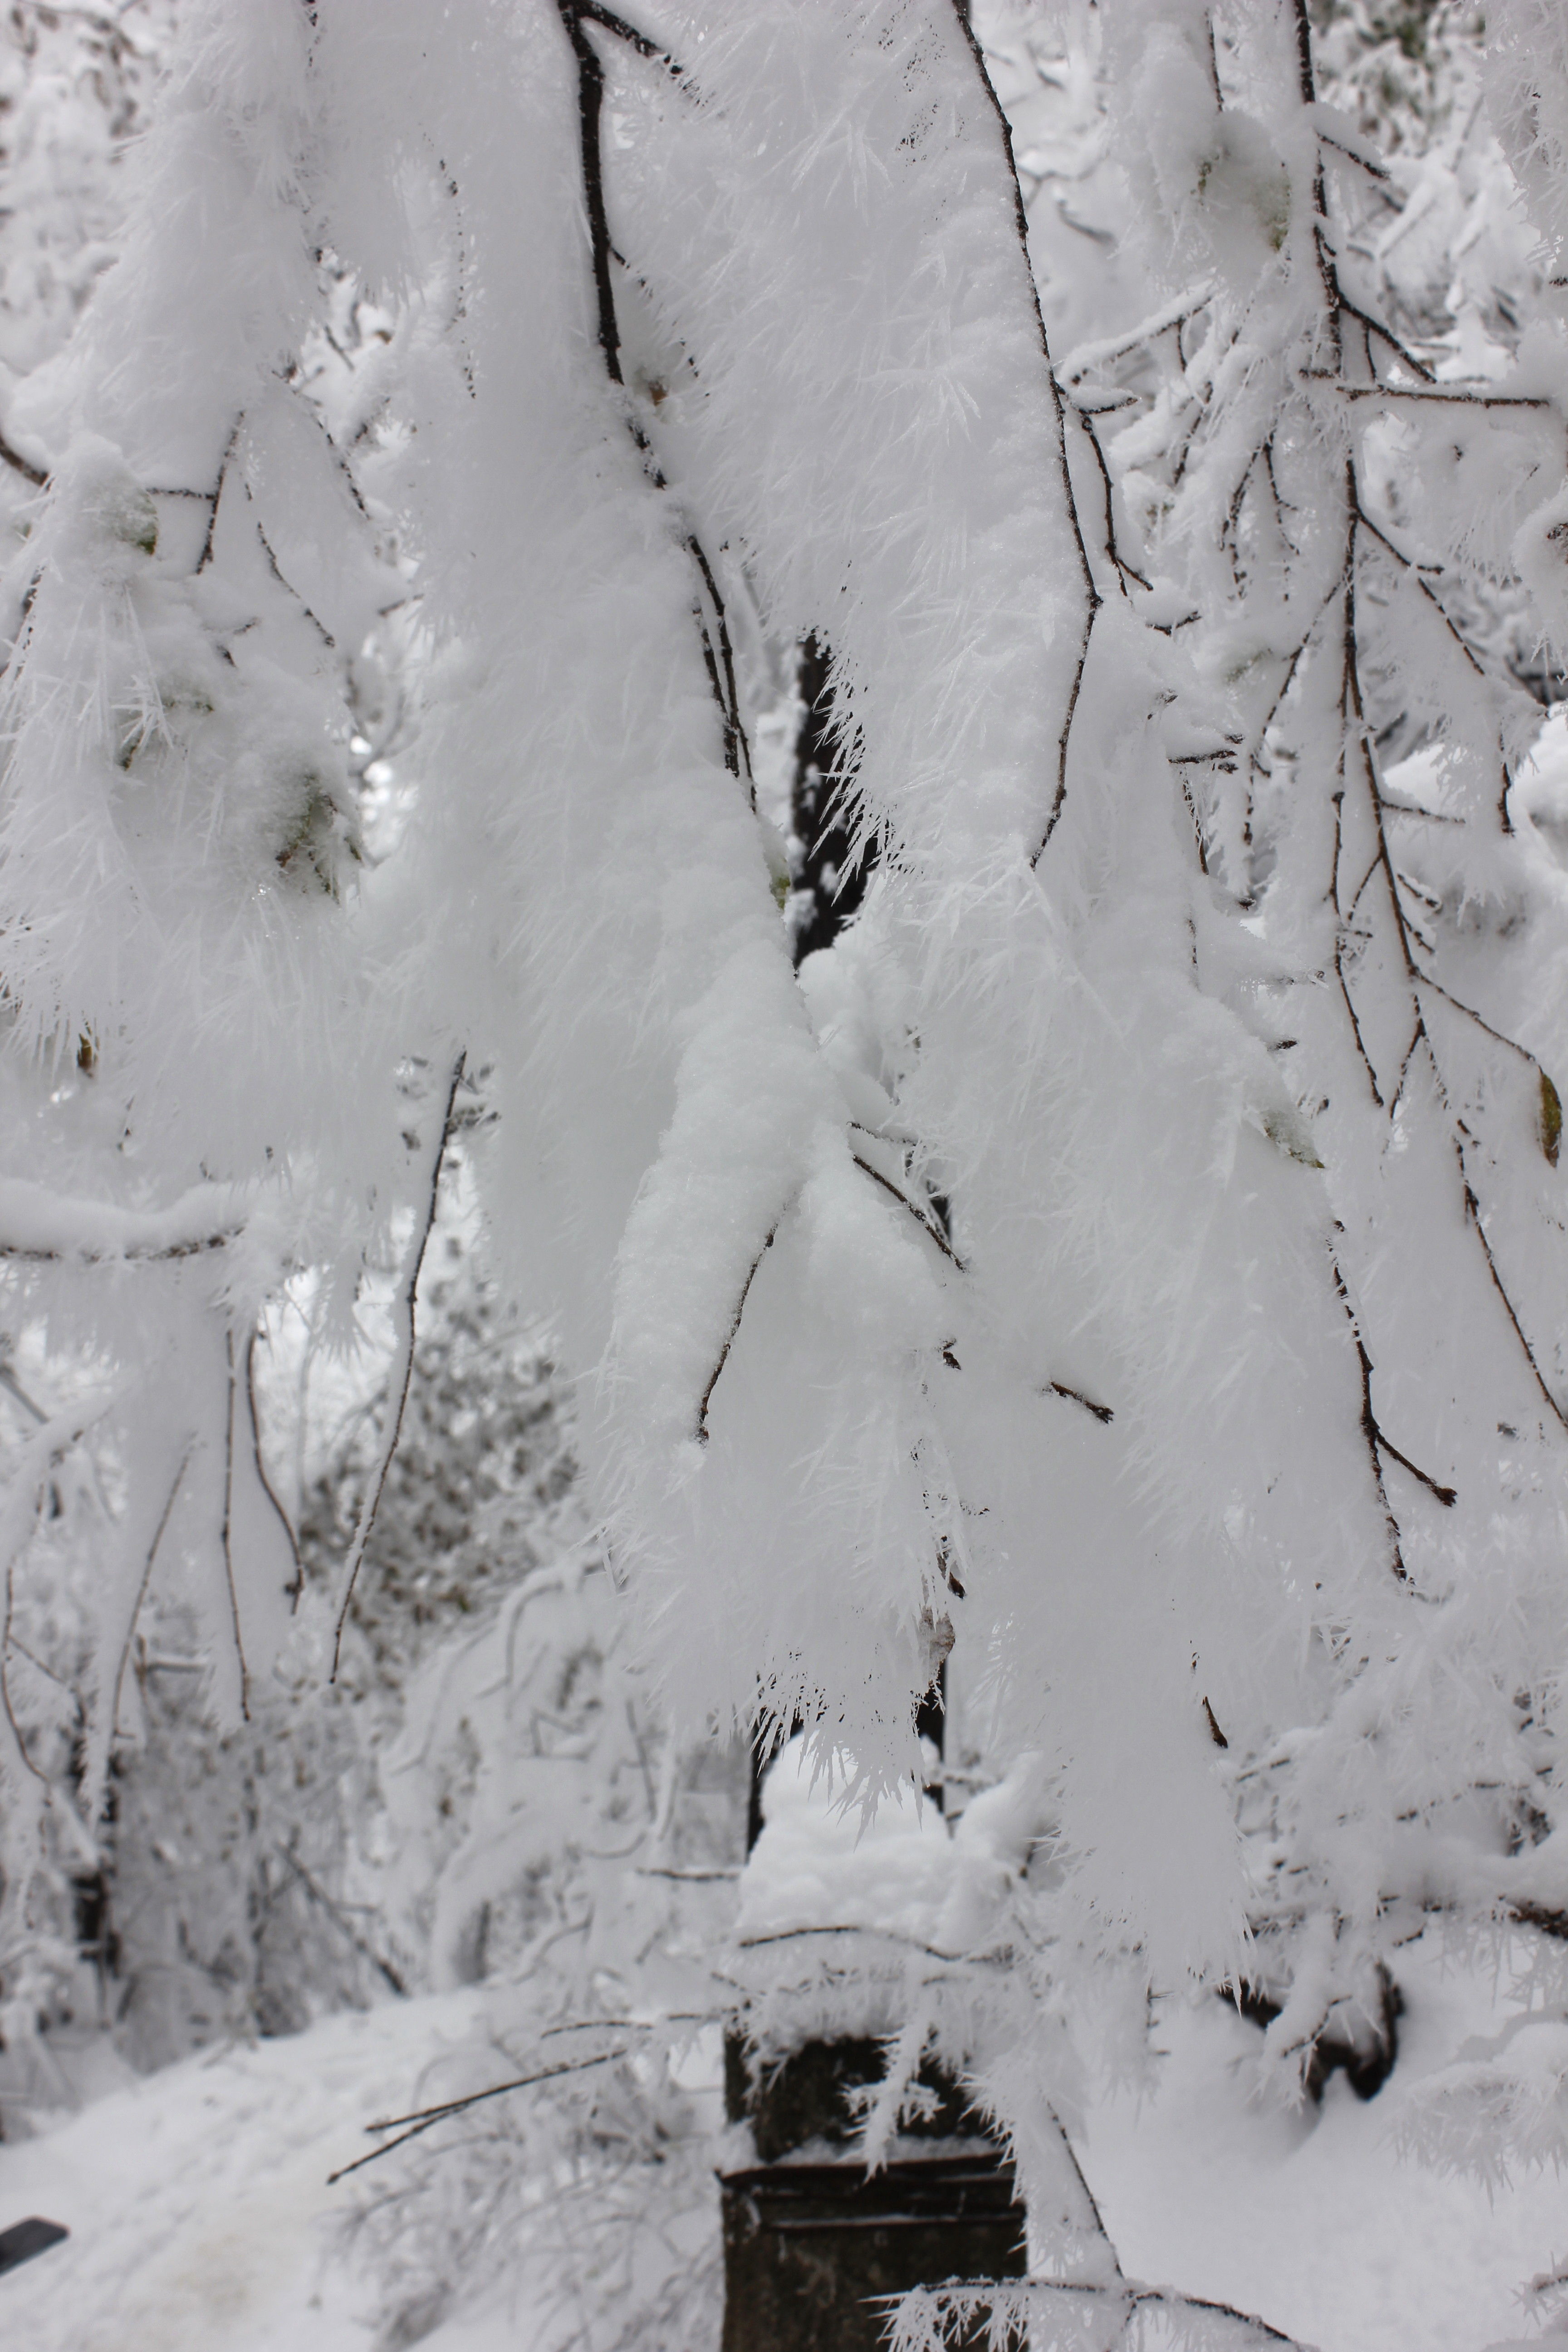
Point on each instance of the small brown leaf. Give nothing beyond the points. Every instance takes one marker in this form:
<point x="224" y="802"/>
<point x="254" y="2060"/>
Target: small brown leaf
<point x="1288" y="1132"/>
<point x="1216" y="1734"/>
<point x="1551" y="1119"/>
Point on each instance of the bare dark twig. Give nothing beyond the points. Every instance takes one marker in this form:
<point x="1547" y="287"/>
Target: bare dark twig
<point x="1441" y="399"/>
<point x="1417" y="572"/>
<point x="1377" y="1442"/>
<point x="1340" y="936"/>
<point x="926" y="1226"/>
<point x="158" y="1532"/>
<point x="1384" y="334"/>
<point x="737" y="751"/>
<point x="402" y="1363"/>
<point x="25" y="1253"/>
<point x="730" y="1334"/>
<point x="1130" y="569"/>
<point x="284" y="582"/>
<point x="611" y="22"/>
<point x="573" y="15"/>
<point x="346" y="1925"/>
<point x="296" y="1588"/>
<point x="7" y="1646"/>
<point x="1374" y="171"/>
<point x="425" y="2118"/>
<point x="590" y="105"/>
<point x="20" y="465"/>
<point x="883" y="1936"/>
<point x="1473" y="1212"/>
<point x="1101" y="1412"/>
<point x="1092" y="598"/>
<point x="225" y="1536"/>
<point x="229" y="446"/>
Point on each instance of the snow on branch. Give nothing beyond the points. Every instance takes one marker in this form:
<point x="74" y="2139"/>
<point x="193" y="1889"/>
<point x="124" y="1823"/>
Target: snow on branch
<point x="1059" y="2315"/>
<point x="39" y="1226"/>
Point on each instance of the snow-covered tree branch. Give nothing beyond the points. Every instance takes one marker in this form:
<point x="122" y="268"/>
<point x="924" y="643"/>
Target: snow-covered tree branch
<point x="1089" y="1207"/>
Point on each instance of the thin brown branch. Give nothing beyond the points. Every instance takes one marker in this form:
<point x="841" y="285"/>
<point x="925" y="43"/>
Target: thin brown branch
<point x="1323" y="252"/>
<point x="7" y="1646"/>
<point x="1370" y="1433"/>
<point x="426" y="2118"/>
<point x="298" y="1586"/>
<point x="1066" y="737"/>
<point x="1376" y="171"/>
<point x="736" y="733"/>
<point x="1429" y="816"/>
<point x="1355" y="717"/>
<point x="1292" y="663"/>
<point x="1354" y="1022"/>
<point x="344" y="1925"/>
<point x="932" y="1231"/>
<point x="611" y="22"/>
<point x="1092" y="599"/>
<point x="402" y="1363"/>
<point x="13" y="1388"/>
<point x="168" y="1253"/>
<point x="1159" y="2294"/>
<point x="1089" y="2198"/>
<point x="205" y="556"/>
<point x="574" y="14"/>
<point x="1419" y="1037"/>
<point x="730" y="1334"/>
<point x="1473" y="1212"/>
<point x="163" y="1519"/>
<point x="1499" y="1036"/>
<point x="1129" y="571"/>
<point x="20" y="465"/>
<point x="1304" y="74"/>
<point x="1417" y="571"/>
<point x="1338" y="946"/>
<point x="1102" y="1412"/>
<point x="850" y="1928"/>
<point x="1170" y="320"/>
<point x="1441" y="399"/>
<point x="1446" y="1496"/>
<point x="590" y="105"/>
<point x="226" y="1531"/>
<point x="1350" y="913"/>
<point x="286" y="584"/>
<point x="1376" y="327"/>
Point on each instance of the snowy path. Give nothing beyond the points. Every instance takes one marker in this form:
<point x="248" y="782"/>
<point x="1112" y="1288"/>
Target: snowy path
<point x="196" y="2201"/>
<point x="201" y="2221"/>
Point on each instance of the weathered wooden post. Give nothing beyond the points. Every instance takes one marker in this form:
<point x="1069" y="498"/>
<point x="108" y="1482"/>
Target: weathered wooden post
<point x="813" y="2238"/>
<point x="813" y="2243"/>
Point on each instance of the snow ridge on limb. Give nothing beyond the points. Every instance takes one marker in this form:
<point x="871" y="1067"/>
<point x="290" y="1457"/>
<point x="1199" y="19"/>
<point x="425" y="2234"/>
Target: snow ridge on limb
<point x="663" y="1109"/>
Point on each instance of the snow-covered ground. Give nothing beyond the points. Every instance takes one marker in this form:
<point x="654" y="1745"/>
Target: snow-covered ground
<point x="201" y="2220"/>
<point x="1312" y="2220"/>
<point x="198" y="2203"/>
